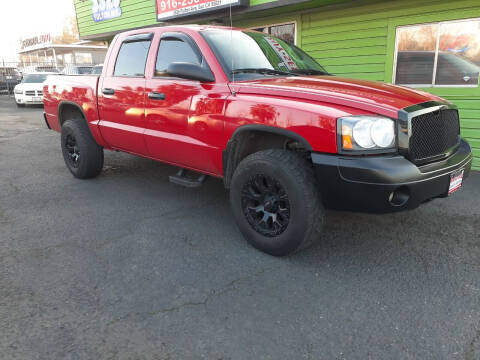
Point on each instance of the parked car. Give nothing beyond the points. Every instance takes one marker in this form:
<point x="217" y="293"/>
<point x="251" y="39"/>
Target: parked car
<point x="30" y="90"/>
<point x="77" y="70"/>
<point x="287" y="138"/>
<point x="9" y="77"/>
<point x="97" y="70"/>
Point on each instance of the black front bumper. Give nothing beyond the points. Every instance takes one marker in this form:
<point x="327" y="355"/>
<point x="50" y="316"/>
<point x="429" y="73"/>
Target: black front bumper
<point x="380" y="184"/>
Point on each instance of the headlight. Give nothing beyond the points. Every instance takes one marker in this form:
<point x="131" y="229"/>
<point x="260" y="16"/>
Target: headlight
<point x="18" y="91"/>
<point x="366" y="133"/>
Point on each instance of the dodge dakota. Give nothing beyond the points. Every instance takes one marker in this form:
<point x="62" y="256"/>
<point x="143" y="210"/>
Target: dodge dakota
<point x="287" y="138"/>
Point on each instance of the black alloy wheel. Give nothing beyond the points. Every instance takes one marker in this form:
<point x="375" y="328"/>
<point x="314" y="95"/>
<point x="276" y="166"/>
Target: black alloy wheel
<point x="72" y="151"/>
<point x="82" y="155"/>
<point x="276" y="201"/>
<point x="265" y="205"/>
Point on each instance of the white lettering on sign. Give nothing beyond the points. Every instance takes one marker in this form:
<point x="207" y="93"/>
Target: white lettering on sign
<point x="287" y="60"/>
<point x="168" y="9"/>
<point x="105" y="9"/>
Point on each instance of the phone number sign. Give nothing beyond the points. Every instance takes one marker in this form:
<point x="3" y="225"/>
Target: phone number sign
<point x="173" y="9"/>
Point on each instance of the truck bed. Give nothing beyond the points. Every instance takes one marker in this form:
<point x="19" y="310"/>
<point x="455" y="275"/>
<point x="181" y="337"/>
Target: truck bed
<point x="77" y="89"/>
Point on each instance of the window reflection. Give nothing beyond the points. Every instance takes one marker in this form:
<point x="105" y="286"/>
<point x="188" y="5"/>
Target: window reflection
<point x="457" y="56"/>
<point x="416" y="54"/>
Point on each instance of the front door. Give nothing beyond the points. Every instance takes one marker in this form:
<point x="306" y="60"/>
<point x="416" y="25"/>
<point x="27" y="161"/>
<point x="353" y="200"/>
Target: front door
<point x="184" y="118"/>
<point x="121" y="97"/>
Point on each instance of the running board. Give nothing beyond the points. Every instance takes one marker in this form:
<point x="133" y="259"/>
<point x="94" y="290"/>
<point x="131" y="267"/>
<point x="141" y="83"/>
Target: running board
<point x="181" y="179"/>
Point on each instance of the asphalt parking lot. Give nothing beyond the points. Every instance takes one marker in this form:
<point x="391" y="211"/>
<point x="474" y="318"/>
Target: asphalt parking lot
<point x="129" y="266"/>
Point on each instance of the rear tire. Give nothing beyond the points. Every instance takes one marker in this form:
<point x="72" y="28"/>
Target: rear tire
<point x="82" y="155"/>
<point x="276" y="202"/>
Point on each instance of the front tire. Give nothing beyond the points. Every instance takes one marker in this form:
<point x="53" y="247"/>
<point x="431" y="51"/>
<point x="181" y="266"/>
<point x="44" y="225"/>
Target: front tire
<point x="82" y="155"/>
<point x="19" y="105"/>
<point x="276" y="202"/>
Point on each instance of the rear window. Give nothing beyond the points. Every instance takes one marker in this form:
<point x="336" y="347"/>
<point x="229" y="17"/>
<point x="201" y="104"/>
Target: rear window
<point x="132" y="58"/>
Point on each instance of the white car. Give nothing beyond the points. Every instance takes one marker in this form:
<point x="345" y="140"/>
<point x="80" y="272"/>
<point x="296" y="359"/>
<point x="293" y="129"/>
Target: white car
<point x="30" y="90"/>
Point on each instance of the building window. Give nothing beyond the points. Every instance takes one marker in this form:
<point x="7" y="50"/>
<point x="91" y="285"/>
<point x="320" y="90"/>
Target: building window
<point x="83" y="58"/>
<point x="438" y="54"/>
<point x="287" y="32"/>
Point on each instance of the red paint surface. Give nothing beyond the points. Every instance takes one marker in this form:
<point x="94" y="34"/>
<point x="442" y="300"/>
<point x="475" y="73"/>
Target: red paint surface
<point x="192" y="126"/>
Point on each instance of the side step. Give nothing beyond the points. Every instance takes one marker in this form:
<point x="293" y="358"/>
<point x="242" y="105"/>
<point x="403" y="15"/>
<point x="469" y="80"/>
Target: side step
<point x="181" y="179"/>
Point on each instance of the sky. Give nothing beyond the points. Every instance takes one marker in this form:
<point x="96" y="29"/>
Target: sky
<point x="28" y="18"/>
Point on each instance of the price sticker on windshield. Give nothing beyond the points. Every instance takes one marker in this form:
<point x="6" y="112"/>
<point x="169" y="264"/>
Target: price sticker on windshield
<point x="287" y="59"/>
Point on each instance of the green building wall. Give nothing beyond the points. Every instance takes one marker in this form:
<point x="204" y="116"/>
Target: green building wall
<point x="350" y="38"/>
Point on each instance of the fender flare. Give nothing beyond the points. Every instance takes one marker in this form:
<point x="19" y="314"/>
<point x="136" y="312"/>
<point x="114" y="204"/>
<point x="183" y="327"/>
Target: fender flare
<point x="95" y="134"/>
<point x="229" y="153"/>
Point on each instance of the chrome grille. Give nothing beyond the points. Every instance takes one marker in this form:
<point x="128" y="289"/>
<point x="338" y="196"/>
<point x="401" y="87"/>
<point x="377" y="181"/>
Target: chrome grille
<point x="433" y="134"/>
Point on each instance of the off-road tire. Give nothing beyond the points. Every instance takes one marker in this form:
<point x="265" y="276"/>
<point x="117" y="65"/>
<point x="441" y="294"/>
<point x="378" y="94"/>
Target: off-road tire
<point x="294" y="176"/>
<point x="90" y="159"/>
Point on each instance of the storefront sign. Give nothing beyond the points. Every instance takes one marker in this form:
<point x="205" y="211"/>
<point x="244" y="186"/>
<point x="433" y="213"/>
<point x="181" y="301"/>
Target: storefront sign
<point x="172" y="9"/>
<point x="105" y="9"/>
<point x="36" y="40"/>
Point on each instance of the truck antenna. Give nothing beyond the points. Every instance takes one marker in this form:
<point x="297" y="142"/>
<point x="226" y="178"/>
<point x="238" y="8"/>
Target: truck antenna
<point x="231" y="50"/>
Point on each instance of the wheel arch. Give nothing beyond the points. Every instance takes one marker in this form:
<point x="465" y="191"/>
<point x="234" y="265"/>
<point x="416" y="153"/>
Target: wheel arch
<point x="244" y="141"/>
<point x="68" y="109"/>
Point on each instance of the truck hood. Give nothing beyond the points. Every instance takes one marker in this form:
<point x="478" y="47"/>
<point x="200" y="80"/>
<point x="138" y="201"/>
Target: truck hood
<point x="374" y="97"/>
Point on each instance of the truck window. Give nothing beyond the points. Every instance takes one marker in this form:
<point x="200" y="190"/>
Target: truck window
<point x="174" y="50"/>
<point x="132" y="58"/>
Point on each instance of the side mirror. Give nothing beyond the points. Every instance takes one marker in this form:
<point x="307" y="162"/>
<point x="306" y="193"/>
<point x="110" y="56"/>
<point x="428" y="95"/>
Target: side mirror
<point x="190" y="71"/>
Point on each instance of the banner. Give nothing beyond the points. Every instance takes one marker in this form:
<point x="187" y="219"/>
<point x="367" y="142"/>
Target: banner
<point x="172" y="9"/>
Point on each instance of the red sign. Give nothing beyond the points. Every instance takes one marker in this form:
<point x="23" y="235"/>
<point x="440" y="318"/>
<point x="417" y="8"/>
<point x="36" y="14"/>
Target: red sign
<point x="171" y="9"/>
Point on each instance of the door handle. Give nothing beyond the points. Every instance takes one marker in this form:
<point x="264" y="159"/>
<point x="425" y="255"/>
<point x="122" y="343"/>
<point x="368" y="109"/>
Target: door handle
<point x="108" y="91"/>
<point x="156" y="96"/>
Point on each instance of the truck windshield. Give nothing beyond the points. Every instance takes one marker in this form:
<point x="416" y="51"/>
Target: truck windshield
<point x="252" y="55"/>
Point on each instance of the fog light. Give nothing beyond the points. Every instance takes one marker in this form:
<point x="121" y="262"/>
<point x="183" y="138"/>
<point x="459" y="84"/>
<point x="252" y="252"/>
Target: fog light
<point x="400" y="196"/>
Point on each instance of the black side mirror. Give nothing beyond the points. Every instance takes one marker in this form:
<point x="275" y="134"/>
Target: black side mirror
<point x="190" y="71"/>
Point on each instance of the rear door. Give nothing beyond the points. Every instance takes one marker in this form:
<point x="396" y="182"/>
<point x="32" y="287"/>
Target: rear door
<point x="121" y="95"/>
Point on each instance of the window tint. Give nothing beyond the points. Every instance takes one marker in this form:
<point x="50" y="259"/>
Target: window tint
<point x="415" y="67"/>
<point x="132" y="58"/>
<point x="173" y="50"/>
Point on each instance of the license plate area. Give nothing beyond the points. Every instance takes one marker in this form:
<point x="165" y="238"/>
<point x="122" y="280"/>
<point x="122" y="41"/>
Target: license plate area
<point x="456" y="180"/>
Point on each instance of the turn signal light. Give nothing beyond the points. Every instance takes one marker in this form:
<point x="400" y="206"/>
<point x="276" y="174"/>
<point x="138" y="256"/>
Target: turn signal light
<point x="347" y="137"/>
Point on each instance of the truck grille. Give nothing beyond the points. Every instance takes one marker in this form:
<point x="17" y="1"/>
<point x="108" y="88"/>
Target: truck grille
<point x="30" y="92"/>
<point x="39" y="92"/>
<point x="433" y="134"/>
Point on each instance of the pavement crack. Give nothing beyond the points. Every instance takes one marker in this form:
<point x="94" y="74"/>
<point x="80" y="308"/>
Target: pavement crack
<point x="230" y="286"/>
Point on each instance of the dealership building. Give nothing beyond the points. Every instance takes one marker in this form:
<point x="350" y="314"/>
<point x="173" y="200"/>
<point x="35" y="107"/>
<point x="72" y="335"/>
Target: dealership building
<point x="432" y="45"/>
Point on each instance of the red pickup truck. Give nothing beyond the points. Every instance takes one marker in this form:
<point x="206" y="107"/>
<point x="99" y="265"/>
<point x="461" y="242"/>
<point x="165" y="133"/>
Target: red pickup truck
<point x="287" y="138"/>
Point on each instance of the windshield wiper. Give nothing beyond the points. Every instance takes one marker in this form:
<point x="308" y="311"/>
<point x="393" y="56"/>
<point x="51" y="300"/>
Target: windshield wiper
<point x="309" y="72"/>
<point x="263" y="71"/>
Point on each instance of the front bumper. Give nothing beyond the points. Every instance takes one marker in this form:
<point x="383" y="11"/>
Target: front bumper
<point x="24" y="99"/>
<point x="389" y="183"/>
